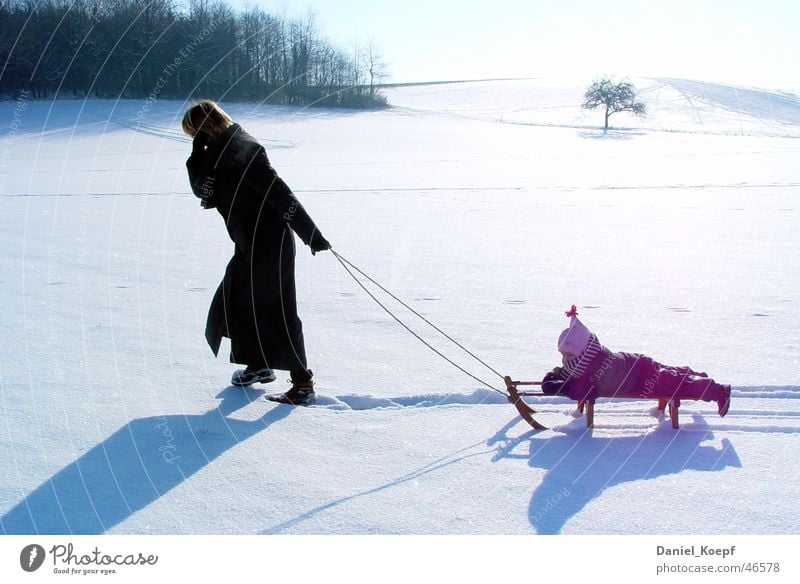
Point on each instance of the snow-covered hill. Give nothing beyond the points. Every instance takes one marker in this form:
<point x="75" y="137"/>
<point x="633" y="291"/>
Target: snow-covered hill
<point x="673" y="105"/>
<point x="488" y="207"/>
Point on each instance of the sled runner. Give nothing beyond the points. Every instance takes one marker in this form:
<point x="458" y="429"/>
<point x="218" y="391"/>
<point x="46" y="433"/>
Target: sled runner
<point x="515" y="397"/>
<point x="585" y="406"/>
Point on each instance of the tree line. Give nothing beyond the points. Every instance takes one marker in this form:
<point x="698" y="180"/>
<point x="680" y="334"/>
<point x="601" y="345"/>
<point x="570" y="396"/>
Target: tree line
<point x="162" y="49"/>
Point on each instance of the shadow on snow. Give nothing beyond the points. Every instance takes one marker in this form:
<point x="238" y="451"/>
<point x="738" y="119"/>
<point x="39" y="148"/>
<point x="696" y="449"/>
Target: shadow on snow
<point x="134" y="467"/>
<point x="581" y="466"/>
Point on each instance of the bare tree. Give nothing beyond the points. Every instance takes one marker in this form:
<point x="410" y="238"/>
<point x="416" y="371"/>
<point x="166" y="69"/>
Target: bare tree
<point x="616" y="97"/>
<point x="376" y="67"/>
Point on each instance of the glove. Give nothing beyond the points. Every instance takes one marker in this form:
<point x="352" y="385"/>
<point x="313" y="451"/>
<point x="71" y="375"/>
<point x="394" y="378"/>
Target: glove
<point x="318" y="243"/>
<point x="207" y="201"/>
<point x="552" y="384"/>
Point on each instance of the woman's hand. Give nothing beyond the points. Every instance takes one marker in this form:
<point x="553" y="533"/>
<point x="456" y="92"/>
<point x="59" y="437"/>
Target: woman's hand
<point x="318" y="243"/>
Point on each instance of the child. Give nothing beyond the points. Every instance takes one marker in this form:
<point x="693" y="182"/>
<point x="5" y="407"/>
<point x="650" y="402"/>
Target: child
<point x="590" y="371"/>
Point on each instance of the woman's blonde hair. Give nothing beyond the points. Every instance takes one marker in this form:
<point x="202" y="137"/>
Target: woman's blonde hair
<point x="205" y="116"/>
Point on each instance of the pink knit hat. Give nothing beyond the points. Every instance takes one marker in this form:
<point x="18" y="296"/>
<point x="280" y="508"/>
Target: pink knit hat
<point x="574" y="339"/>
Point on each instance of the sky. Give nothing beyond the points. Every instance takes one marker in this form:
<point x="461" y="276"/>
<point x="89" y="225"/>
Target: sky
<point x="753" y="42"/>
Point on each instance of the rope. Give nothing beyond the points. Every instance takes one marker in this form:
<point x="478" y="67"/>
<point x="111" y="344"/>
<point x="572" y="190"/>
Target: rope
<point x="345" y="263"/>
<point x="418" y="315"/>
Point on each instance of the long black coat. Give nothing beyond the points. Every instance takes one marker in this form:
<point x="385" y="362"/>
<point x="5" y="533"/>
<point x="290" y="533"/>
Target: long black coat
<point x="255" y="304"/>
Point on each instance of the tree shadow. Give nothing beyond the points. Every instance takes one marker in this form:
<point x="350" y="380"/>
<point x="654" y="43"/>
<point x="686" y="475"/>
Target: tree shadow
<point x="134" y="467"/>
<point x="581" y="466"/>
<point x="611" y="134"/>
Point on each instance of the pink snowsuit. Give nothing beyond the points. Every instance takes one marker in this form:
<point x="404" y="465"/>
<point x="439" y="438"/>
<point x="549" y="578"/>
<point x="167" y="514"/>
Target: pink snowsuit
<point x="599" y="372"/>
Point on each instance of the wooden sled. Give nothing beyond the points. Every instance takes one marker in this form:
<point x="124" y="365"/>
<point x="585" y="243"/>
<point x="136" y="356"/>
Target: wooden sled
<point x="584" y="406"/>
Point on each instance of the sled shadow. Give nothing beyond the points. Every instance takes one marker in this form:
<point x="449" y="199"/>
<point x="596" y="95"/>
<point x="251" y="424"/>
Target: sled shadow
<point x="580" y="466"/>
<point x="134" y="467"/>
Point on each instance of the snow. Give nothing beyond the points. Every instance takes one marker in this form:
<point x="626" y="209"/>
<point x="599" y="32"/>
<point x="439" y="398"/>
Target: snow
<point x="488" y="207"/>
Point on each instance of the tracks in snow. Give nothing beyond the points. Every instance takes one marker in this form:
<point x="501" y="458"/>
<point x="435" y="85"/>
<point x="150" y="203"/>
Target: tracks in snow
<point x="754" y="409"/>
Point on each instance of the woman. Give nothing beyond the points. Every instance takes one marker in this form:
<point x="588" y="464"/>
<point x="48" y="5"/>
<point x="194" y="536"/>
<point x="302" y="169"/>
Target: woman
<point x="255" y="305"/>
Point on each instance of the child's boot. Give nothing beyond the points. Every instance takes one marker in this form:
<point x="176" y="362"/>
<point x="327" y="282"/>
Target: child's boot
<point x="724" y="401"/>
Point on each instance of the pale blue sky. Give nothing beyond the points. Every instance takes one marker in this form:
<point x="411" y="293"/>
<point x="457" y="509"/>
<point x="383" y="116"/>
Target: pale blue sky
<point x="754" y="42"/>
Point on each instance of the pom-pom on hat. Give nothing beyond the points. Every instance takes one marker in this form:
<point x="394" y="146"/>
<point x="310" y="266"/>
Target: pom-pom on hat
<point x="574" y="339"/>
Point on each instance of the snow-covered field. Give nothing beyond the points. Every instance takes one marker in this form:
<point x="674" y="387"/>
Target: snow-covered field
<point x="490" y="208"/>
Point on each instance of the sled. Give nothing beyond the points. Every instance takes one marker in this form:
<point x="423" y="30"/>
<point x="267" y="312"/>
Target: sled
<point x="663" y="403"/>
<point x="584" y="406"/>
<point x="515" y="397"/>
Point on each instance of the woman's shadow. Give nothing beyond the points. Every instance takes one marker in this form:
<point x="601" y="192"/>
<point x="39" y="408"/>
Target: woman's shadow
<point x="580" y="466"/>
<point x="133" y="467"/>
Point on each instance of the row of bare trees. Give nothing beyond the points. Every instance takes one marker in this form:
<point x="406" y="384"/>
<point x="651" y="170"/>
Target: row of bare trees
<point x="160" y="48"/>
